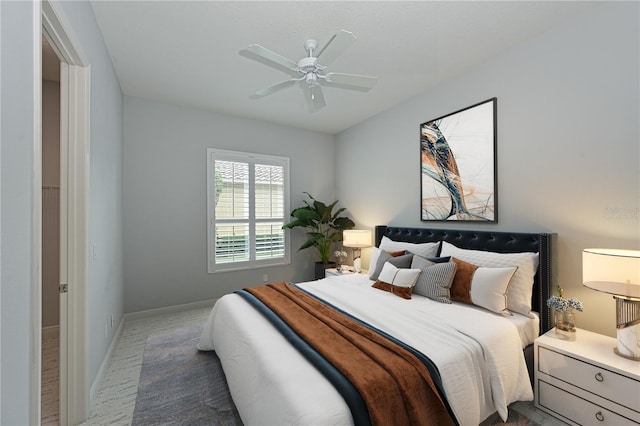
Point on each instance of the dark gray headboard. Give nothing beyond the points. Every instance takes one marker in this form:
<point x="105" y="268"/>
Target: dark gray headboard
<point x="502" y="242"/>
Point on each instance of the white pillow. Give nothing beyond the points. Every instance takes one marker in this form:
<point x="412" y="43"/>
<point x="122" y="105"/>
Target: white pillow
<point x="484" y="287"/>
<point x="400" y="277"/>
<point x="521" y="287"/>
<point x="373" y="261"/>
<point x="421" y="249"/>
<point x="489" y="288"/>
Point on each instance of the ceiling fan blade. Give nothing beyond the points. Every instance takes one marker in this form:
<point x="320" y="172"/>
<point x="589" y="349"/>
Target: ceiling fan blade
<point x="315" y="98"/>
<point x="334" y="48"/>
<point x="352" y="81"/>
<point x="270" y="58"/>
<point x="271" y="89"/>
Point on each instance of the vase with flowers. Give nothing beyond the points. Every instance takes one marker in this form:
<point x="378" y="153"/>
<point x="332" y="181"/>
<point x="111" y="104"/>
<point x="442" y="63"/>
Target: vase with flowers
<point x="341" y="256"/>
<point x="564" y="314"/>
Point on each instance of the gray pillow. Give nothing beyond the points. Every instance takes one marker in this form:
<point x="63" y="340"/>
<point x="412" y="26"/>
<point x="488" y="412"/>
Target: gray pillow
<point x="403" y="261"/>
<point x="435" y="279"/>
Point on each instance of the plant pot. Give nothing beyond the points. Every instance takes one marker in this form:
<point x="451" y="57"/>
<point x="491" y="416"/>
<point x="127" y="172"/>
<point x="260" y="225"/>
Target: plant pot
<point x="320" y="267"/>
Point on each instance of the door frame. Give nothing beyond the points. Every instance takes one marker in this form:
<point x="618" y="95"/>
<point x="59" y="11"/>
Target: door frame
<point x="74" y="214"/>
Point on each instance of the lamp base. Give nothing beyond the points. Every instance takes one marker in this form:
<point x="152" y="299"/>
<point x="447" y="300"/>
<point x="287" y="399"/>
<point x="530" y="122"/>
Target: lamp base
<point x="628" y="328"/>
<point x="629" y="342"/>
<point x="617" y="352"/>
<point x="357" y="265"/>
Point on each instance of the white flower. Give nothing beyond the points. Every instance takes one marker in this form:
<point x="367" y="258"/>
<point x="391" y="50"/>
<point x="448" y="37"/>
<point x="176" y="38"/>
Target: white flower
<point x="559" y="303"/>
<point x="574" y="303"/>
<point x="340" y="253"/>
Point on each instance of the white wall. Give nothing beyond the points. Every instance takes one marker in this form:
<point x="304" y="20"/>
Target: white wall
<point x="105" y="287"/>
<point x="568" y="145"/>
<point x="165" y="214"/>
<point x="18" y="88"/>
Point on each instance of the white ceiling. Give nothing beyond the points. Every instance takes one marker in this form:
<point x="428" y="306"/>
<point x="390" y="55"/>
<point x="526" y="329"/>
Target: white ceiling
<point x="186" y="52"/>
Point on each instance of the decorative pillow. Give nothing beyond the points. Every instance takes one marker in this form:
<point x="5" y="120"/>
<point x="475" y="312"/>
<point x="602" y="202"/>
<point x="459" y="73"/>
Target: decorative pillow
<point x="434" y="259"/>
<point x="373" y="261"/>
<point x="435" y="279"/>
<point x="484" y="287"/>
<point x="421" y="249"/>
<point x="519" y="293"/>
<point x="375" y="254"/>
<point x="396" y="258"/>
<point x="398" y="281"/>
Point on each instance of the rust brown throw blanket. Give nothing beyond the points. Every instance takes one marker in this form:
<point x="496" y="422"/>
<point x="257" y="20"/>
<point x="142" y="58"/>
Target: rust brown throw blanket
<point x="396" y="386"/>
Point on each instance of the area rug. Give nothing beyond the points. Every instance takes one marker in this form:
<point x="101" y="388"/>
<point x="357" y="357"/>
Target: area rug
<point x="180" y="385"/>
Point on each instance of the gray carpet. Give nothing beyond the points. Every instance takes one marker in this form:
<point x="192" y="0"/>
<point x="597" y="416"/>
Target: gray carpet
<point x="180" y="385"/>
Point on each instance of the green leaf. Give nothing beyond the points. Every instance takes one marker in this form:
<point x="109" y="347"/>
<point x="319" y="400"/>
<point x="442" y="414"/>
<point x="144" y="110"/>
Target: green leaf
<point x="336" y="214"/>
<point x="293" y="224"/>
<point x="343" y="223"/>
<point x="305" y="214"/>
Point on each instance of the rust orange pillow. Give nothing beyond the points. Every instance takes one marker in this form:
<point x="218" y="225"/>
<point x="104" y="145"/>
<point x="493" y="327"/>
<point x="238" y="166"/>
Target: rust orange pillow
<point x="480" y="286"/>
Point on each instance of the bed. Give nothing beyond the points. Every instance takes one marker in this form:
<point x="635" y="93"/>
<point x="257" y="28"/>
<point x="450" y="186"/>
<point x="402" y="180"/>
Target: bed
<point x="483" y="358"/>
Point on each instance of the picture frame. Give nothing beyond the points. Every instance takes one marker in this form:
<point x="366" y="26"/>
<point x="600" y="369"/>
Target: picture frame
<point x="458" y="173"/>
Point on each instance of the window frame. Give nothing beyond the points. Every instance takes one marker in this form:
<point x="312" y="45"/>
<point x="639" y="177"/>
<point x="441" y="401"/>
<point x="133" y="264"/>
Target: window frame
<point x="251" y="159"/>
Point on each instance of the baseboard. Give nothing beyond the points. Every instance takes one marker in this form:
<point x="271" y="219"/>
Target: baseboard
<point x="169" y="310"/>
<point x="93" y="392"/>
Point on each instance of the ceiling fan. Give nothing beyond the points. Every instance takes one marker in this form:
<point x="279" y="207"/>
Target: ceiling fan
<point x="310" y="71"/>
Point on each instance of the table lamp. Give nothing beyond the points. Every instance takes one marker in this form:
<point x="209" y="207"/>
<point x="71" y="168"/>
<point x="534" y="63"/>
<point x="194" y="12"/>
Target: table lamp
<point x="356" y="239"/>
<point x="617" y="272"/>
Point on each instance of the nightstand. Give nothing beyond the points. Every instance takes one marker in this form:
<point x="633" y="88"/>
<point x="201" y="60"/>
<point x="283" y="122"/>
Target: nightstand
<point x="584" y="382"/>
<point x="333" y="272"/>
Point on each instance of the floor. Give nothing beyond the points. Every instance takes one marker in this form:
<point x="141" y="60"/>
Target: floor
<point x="116" y="397"/>
<point x="50" y="377"/>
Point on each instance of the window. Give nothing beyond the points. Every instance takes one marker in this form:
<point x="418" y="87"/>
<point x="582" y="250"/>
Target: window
<point x="247" y="203"/>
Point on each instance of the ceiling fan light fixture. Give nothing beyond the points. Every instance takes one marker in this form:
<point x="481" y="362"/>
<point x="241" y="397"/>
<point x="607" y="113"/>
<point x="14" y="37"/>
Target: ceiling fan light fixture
<point x="311" y="79"/>
<point x="310" y="70"/>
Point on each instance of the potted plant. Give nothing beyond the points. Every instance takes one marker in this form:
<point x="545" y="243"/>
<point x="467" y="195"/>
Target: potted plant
<point x="323" y="227"/>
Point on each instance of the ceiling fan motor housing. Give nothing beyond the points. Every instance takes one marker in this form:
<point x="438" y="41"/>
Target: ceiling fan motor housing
<point x="307" y="64"/>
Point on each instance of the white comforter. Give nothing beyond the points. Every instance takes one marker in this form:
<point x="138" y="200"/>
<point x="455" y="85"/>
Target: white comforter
<point x="478" y="353"/>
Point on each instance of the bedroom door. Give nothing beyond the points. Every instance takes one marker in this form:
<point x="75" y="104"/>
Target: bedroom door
<point x="74" y="210"/>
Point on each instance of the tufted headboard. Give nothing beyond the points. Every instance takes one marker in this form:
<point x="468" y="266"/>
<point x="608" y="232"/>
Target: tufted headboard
<point x="501" y="242"/>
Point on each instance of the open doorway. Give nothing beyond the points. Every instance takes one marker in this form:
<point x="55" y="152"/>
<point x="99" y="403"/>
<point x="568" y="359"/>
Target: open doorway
<point x="73" y="196"/>
<point x="50" y="365"/>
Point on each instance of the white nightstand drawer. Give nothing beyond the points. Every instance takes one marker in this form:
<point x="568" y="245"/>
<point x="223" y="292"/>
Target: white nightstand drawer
<point x="607" y="384"/>
<point x="577" y="409"/>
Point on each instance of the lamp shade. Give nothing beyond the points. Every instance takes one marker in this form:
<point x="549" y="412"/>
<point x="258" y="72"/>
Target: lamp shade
<point x="356" y="238"/>
<point x="612" y="271"/>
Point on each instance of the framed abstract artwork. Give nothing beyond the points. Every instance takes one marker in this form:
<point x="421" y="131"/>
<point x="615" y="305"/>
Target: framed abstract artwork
<point x="458" y="165"/>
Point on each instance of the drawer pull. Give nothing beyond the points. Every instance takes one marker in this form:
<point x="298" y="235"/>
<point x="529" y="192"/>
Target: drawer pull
<point x="599" y="377"/>
<point x="600" y="416"/>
